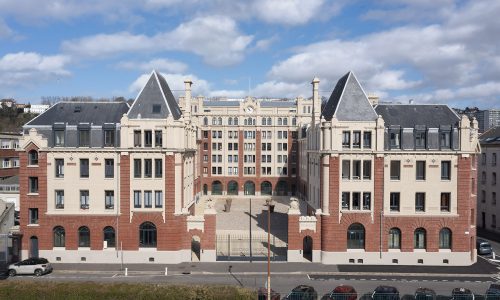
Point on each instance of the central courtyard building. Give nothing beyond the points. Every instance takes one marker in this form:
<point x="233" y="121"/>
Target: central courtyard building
<point x="362" y="182"/>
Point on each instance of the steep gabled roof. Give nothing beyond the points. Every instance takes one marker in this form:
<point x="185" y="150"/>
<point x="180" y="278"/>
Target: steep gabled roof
<point x="348" y="101"/>
<point x="73" y="113"/>
<point x="491" y="136"/>
<point x="155" y="93"/>
<point x="409" y="115"/>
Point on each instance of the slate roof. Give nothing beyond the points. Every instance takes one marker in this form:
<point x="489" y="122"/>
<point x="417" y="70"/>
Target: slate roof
<point x="9" y="180"/>
<point x="348" y="101"/>
<point x="491" y="136"/>
<point x="221" y="103"/>
<point x="409" y="115"/>
<point x="155" y="92"/>
<point x="74" y="113"/>
<point x="278" y="104"/>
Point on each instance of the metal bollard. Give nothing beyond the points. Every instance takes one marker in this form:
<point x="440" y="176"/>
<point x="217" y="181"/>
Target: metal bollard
<point x="166" y="271"/>
<point x="126" y="271"/>
<point x="493" y="254"/>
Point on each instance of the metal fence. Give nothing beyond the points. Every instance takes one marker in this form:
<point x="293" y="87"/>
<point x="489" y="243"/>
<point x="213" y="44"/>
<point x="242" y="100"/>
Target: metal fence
<point x="246" y="247"/>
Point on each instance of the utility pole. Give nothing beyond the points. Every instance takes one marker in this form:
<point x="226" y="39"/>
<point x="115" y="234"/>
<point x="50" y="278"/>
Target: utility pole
<point x="268" y="249"/>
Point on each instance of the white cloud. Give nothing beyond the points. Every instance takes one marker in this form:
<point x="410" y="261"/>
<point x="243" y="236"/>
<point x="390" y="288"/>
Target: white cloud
<point x="216" y="39"/>
<point x="164" y="64"/>
<point x="175" y="82"/>
<point x="281" y="89"/>
<point x="29" y="68"/>
<point x="290" y="12"/>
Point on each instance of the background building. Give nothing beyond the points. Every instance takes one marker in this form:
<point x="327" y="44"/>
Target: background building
<point x="488" y="118"/>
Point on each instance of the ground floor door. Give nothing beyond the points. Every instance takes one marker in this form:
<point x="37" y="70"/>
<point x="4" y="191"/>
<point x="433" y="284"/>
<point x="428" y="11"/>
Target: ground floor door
<point x="307" y="248"/>
<point x="195" y="248"/>
<point x="33" y="246"/>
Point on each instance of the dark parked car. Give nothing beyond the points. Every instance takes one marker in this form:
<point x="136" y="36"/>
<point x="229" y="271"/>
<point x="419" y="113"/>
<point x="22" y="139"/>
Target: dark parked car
<point x="462" y="294"/>
<point x="302" y="292"/>
<point x="34" y="266"/>
<point x="342" y="292"/>
<point x="262" y="294"/>
<point x="493" y="292"/>
<point x="425" y="294"/>
<point x="384" y="292"/>
<point x="483" y="247"/>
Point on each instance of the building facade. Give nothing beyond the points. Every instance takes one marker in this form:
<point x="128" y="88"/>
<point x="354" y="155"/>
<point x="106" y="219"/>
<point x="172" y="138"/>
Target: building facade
<point x="487" y="119"/>
<point x="390" y="184"/>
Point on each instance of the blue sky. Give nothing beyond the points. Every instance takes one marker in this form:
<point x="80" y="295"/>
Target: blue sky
<point x="431" y="51"/>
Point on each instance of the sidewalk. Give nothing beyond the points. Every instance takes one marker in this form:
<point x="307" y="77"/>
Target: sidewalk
<point x="481" y="268"/>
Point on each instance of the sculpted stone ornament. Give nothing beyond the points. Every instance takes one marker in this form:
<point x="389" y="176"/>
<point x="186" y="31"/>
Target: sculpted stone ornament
<point x="209" y="204"/>
<point x="294" y="204"/>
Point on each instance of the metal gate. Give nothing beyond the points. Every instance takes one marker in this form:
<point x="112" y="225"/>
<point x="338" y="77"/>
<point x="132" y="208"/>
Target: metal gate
<point x="246" y="247"/>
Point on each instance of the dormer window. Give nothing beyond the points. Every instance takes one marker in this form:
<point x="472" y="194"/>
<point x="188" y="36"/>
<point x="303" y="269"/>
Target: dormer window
<point x="420" y="137"/>
<point x="156" y="108"/>
<point x="395" y="138"/>
<point x="445" y="137"/>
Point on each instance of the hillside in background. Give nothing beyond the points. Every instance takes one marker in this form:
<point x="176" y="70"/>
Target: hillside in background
<point x="12" y="119"/>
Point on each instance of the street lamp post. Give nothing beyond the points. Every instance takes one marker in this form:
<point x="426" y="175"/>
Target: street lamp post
<point x="268" y="249"/>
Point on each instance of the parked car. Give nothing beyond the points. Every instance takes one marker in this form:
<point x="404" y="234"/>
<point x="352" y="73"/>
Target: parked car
<point x="493" y="292"/>
<point x="262" y="294"/>
<point x="462" y="294"/>
<point x="35" y="266"/>
<point x="483" y="247"/>
<point x="302" y="292"/>
<point x="425" y="294"/>
<point x="384" y="292"/>
<point x="342" y="292"/>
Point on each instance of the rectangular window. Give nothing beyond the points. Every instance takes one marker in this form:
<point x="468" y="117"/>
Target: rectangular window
<point x="148" y="199"/>
<point x="356" y="169"/>
<point x="356" y="139"/>
<point x="420" y="202"/>
<point x="137" y="138"/>
<point x="59" y="199"/>
<point x="156" y="108"/>
<point x="33" y="184"/>
<point x="84" y="199"/>
<point x="158" y="138"/>
<point x="109" y="138"/>
<point x="367" y="169"/>
<point x="205" y="146"/>
<point x="356" y="200"/>
<point x="395" y="139"/>
<point x="109" y="199"/>
<point x="345" y="200"/>
<point x="445" y="139"/>
<point x="446" y="170"/>
<point x="493" y="221"/>
<point x="59" y="138"/>
<point x="84" y="168"/>
<point x="367" y="199"/>
<point x="83" y="138"/>
<point x="346" y="169"/>
<point x="420" y="174"/>
<point x="346" y="139"/>
<point x="493" y="198"/>
<point x="394" y="201"/>
<point x="137" y="168"/>
<point x="148" y="168"/>
<point x="367" y="139"/>
<point x="59" y="162"/>
<point x="445" y="202"/>
<point x="158" y="199"/>
<point x="109" y="168"/>
<point x="420" y="140"/>
<point x="33" y="215"/>
<point x="158" y="168"/>
<point x="395" y="169"/>
<point x="493" y="159"/>
<point x="137" y="199"/>
<point x="148" y="138"/>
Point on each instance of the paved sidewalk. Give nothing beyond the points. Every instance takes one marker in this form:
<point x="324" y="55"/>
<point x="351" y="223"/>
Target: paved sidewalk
<point x="481" y="268"/>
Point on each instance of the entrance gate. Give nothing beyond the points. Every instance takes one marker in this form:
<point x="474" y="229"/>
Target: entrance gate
<point x="246" y="247"/>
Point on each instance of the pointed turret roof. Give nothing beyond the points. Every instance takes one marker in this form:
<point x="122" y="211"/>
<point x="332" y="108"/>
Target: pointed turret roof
<point x="349" y="102"/>
<point x="155" y="100"/>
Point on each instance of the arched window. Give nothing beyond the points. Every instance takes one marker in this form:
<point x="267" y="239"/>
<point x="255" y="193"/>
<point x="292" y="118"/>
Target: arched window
<point x="249" y="121"/>
<point x="235" y="121"/>
<point x="394" y="238"/>
<point x="249" y="188"/>
<point x="280" y="121"/>
<point x="205" y="189"/>
<point x="269" y="121"/>
<point x="232" y="188"/>
<point x="445" y="238"/>
<point x="216" y="188"/>
<point x="59" y="236"/>
<point x="109" y="236"/>
<point x="281" y="188"/>
<point x="219" y="121"/>
<point x="230" y="121"/>
<point x="33" y="157"/>
<point x="356" y="236"/>
<point x="263" y="121"/>
<point x="205" y="121"/>
<point x="285" y="121"/>
<point x="419" y="239"/>
<point x="83" y="237"/>
<point x="253" y="121"/>
<point x="147" y="235"/>
<point x="245" y="122"/>
<point x="266" y="188"/>
<point x="294" y="121"/>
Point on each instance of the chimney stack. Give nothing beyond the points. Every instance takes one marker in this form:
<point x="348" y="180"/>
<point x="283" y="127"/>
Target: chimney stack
<point x="187" y="98"/>
<point x="316" y="101"/>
